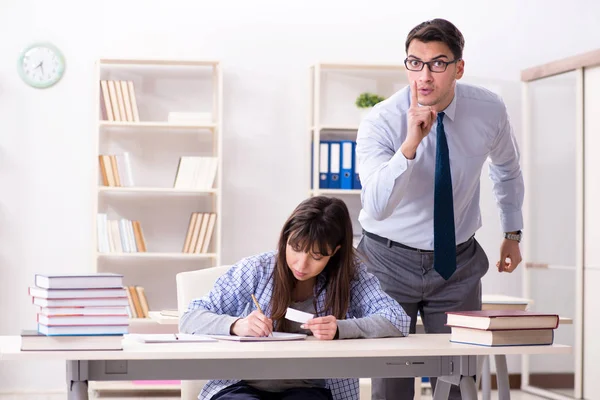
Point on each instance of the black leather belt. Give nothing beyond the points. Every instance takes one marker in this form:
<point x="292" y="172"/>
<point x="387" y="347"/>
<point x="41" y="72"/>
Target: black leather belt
<point x="390" y="243"/>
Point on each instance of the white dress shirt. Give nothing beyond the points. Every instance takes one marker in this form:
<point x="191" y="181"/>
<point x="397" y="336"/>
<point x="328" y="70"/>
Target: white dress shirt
<point x="397" y="194"/>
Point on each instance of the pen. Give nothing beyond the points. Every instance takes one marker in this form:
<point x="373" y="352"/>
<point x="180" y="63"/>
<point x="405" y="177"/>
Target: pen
<point x="257" y="305"/>
<point x="176" y="337"/>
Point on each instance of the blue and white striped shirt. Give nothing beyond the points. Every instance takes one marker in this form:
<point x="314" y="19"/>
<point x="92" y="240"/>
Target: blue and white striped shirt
<point x="231" y="296"/>
<point x="397" y="194"/>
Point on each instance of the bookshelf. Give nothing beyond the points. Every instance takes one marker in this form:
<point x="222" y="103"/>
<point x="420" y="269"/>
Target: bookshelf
<point x="333" y="116"/>
<point x="158" y="161"/>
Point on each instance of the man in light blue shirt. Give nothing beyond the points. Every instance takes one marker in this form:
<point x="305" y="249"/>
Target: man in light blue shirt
<point x="419" y="157"/>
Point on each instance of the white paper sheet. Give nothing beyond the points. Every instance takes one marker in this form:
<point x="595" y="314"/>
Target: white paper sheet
<point x="276" y="337"/>
<point x="298" y="316"/>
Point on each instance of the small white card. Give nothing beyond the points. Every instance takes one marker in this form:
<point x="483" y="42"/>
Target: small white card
<point x="298" y="316"/>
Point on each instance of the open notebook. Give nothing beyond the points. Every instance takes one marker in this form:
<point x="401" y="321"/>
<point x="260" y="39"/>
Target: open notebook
<point x="171" y="338"/>
<point x="277" y="336"/>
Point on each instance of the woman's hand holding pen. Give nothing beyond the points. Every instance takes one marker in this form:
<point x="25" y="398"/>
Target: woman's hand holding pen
<point x="323" y="328"/>
<point x="256" y="324"/>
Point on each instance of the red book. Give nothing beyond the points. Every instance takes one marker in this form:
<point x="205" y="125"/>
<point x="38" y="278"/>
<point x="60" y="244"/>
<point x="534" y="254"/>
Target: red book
<point x="502" y="319"/>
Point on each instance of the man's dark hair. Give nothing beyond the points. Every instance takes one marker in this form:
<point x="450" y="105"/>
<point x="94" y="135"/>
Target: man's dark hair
<point x="438" y="30"/>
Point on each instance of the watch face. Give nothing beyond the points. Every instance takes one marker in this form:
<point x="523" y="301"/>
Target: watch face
<point x="41" y="65"/>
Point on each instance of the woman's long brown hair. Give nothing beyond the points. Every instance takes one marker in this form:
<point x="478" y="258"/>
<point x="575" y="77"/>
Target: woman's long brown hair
<point x="318" y="224"/>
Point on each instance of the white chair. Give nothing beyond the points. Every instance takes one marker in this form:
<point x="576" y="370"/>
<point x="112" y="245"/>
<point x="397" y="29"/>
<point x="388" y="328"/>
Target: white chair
<point x="191" y="285"/>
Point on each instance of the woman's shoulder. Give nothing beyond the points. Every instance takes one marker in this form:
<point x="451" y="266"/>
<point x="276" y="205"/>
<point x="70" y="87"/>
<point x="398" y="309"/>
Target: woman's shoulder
<point x="262" y="263"/>
<point x="359" y="265"/>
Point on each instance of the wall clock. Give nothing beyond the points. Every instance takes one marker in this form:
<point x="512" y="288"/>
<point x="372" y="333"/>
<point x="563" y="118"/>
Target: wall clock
<point x="41" y="65"/>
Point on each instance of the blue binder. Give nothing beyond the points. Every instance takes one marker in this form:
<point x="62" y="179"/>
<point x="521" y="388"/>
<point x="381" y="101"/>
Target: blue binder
<point x="334" y="165"/>
<point x="324" y="165"/>
<point x="356" y="184"/>
<point x="347" y="162"/>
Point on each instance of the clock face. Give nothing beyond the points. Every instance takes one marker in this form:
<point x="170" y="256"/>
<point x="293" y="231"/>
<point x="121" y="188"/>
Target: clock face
<point x="41" y="65"/>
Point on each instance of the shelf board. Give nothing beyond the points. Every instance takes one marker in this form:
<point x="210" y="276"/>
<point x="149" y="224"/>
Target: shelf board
<point x="157" y="62"/>
<point x="335" y="191"/>
<point x="155" y="125"/>
<point x="336" y="128"/>
<point x="150" y="255"/>
<point x="154" y="190"/>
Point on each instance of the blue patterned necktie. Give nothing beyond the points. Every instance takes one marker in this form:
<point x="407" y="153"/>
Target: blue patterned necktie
<point x="444" y="239"/>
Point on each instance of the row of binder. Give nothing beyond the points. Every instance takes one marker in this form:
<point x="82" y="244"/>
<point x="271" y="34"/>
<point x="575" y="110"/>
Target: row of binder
<point x="337" y="165"/>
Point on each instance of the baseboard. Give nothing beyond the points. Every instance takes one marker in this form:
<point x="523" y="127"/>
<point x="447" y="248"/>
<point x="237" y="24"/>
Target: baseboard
<point x="552" y="381"/>
<point x="545" y="381"/>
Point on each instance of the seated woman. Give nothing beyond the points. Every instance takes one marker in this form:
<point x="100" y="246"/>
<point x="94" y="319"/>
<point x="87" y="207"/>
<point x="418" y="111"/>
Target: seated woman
<point x="314" y="269"/>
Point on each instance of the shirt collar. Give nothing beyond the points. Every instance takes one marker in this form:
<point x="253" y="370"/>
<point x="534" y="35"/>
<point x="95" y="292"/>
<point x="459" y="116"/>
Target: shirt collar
<point x="450" y="111"/>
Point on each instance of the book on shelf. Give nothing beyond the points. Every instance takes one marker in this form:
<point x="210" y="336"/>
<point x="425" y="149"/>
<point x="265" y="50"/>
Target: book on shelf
<point x="119" y="236"/>
<point x="118" y="101"/>
<point x="200" y="232"/>
<point x="115" y="170"/>
<point x="196" y="173"/>
<point x="78" y="306"/>
<point x="138" y="303"/>
<point x="502" y="327"/>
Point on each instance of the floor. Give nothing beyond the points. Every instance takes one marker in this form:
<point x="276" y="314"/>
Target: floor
<point x="515" y="395"/>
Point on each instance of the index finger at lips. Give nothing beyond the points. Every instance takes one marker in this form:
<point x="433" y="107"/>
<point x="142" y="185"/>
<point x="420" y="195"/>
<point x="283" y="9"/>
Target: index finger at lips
<point x="413" y="94"/>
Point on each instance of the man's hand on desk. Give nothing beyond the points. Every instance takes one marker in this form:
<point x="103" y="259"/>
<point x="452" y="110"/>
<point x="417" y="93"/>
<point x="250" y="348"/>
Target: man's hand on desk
<point x="509" y="250"/>
<point x="256" y="324"/>
<point x="323" y="328"/>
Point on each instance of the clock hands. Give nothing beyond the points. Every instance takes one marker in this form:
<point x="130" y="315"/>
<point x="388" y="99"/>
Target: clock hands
<point x="40" y="65"/>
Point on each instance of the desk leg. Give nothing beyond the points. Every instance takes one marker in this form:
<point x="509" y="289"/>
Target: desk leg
<point x="77" y="380"/>
<point x="502" y="377"/>
<point x="486" y="379"/>
<point x="468" y="391"/>
<point x="442" y="390"/>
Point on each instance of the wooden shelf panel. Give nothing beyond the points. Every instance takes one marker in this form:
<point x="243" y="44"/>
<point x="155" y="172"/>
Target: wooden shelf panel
<point x="150" y="255"/>
<point x="154" y="190"/>
<point x="158" y="62"/>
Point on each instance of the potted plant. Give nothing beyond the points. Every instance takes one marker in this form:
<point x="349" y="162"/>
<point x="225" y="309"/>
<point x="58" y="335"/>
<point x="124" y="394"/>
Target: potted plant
<point x="365" y="102"/>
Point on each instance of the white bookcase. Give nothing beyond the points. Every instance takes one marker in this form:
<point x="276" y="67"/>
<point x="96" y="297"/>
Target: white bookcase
<point x="334" y="116"/>
<point x="179" y="114"/>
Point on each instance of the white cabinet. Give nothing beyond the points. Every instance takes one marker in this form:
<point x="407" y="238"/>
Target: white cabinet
<point x="562" y="222"/>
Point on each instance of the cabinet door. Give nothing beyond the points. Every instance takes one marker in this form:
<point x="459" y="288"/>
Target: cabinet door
<point x="551" y="223"/>
<point x="591" y="261"/>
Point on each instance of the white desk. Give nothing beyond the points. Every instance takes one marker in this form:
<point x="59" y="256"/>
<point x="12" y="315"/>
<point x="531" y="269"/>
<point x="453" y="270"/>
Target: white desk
<point x="489" y="302"/>
<point x="413" y="356"/>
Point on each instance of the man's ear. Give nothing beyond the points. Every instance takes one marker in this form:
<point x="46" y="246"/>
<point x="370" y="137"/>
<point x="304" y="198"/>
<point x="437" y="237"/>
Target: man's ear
<point x="460" y="69"/>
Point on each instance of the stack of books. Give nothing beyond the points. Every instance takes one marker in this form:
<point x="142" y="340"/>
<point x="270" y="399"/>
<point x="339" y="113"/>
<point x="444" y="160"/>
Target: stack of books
<point x="78" y="312"/>
<point x="502" y="327"/>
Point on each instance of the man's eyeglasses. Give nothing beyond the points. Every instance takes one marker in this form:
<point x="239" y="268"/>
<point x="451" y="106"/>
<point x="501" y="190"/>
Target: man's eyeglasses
<point x="434" y="66"/>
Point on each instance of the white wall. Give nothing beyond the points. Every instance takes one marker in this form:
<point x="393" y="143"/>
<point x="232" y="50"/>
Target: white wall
<point x="46" y="146"/>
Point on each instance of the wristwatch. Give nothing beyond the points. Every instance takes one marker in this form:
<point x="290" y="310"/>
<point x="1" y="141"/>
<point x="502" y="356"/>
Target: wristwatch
<point x="518" y="235"/>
